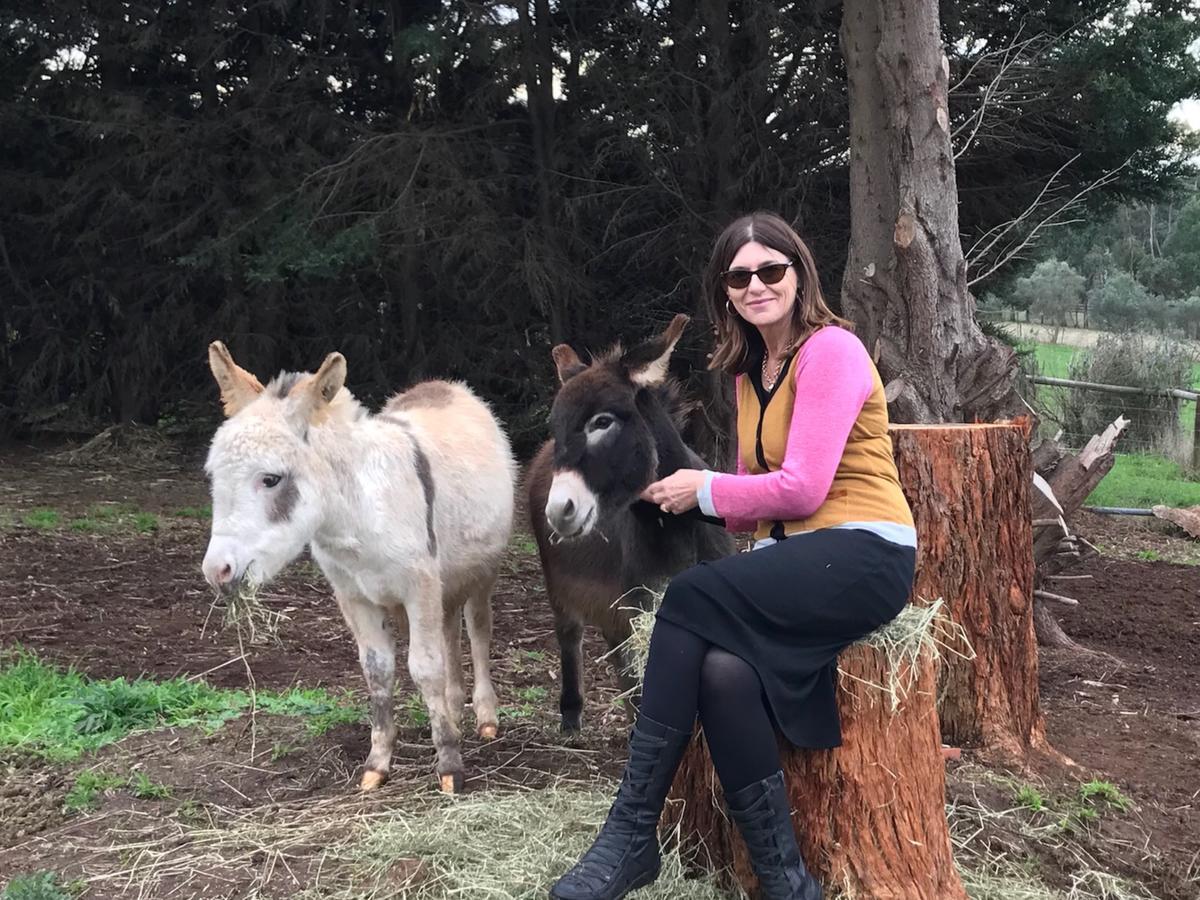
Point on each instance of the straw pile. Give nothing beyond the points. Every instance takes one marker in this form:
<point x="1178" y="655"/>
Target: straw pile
<point x="916" y="630"/>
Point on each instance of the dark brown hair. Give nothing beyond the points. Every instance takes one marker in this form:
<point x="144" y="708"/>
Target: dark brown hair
<point x="738" y="343"/>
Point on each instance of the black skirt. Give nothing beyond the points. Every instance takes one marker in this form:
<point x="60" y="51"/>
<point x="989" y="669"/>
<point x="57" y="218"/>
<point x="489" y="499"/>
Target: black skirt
<point x="789" y="609"/>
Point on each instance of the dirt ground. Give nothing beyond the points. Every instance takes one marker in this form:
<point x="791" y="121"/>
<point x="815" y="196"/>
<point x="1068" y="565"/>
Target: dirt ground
<point x="110" y="603"/>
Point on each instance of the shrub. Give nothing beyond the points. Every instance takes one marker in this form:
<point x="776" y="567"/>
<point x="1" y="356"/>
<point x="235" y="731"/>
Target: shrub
<point x="1133" y="360"/>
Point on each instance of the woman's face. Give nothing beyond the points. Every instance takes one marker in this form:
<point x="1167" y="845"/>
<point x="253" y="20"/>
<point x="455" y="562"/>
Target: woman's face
<point x="766" y="306"/>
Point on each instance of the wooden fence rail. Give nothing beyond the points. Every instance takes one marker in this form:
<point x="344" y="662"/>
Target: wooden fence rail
<point x="1178" y="394"/>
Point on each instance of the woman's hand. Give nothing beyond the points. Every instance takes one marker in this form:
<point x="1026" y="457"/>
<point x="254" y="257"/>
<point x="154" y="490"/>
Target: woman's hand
<point x="677" y="492"/>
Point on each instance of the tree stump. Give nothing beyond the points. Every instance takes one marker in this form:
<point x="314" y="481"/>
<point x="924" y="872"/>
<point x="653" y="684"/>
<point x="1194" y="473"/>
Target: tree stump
<point x="870" y="815"/>
<point x="969" y="489"/>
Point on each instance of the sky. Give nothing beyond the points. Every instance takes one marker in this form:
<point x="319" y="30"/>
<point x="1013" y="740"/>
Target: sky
<point x="1187" y="112"/>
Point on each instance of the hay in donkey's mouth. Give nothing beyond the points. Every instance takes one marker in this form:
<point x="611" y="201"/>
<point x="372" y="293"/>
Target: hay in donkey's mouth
<point x="245" y="611"/>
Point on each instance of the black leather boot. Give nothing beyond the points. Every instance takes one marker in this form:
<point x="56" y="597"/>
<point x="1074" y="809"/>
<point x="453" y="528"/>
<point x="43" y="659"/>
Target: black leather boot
<point x="764" y="815"/>
<point x="625" y="855"/>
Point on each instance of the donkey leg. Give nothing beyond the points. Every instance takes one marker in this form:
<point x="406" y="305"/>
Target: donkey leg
<point x="569" y="631"/>
<point x="456" y="691"/>
<point x="479" y="631"/>
<point x="427" y="655"/>
<point x="377" y="655"/>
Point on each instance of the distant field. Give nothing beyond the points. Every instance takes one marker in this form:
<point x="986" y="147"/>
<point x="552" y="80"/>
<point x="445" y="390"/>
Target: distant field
<point x="1137" y="480"/>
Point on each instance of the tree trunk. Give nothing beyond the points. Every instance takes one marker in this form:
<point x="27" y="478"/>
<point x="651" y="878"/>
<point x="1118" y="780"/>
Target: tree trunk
<point x="969" y="489"/>
<point x="870" y="816"/>
<point x="537" y="67"/>
<point x="905" y="283"/>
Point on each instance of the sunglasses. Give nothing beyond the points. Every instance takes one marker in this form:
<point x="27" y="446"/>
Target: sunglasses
<point x="739" y="279"/>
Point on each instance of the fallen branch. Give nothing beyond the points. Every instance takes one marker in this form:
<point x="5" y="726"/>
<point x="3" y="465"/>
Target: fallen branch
<point x="1056" y="598"/>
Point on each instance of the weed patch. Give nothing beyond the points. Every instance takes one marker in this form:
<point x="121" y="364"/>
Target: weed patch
<point x="39" y="886"/>
<point x="41" y="518"/>
<point x="88" y="787"/>
<point x="61" y="714"/>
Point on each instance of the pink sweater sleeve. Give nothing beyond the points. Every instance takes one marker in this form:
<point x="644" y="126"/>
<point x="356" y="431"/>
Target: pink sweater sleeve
<point x="833" y="381"/>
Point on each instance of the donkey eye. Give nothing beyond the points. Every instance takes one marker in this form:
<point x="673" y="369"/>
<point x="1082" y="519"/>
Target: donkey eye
<point x="269" y="481"/>
<point x="601" y="422"/>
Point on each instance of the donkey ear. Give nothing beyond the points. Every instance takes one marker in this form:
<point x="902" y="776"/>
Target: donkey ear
<point x="238" y="387"/>
<point x="647" y="362"/>
<point x="317" y="392"/>
<point x="567" y="362"/>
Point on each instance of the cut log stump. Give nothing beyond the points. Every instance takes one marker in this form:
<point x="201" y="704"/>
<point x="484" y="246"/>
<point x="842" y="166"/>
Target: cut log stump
<point x="870" y="815"/>
<point x="969" y="489"/>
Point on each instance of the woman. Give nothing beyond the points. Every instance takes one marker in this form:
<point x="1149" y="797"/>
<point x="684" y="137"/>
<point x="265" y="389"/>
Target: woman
<point x="750" y="643"/>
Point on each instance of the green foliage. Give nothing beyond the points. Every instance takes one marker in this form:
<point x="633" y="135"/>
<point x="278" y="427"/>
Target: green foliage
<point x="1097" y="793"/>
<point x="1052" y="291"/>
<point x="299" y="177"/>
<point x="415" y="711"/>
<point x="38" y="886"/>
<point x="1030" y="798"/>
<point x="86" y="790"/>
<point x="1131" y="360"/>
<point x="194" y="512"/>
<point x="1120" y="304"/>
<point x="1183" y="245"/>
<point x="142" y="787"/>
<point x="41" y="518"/>
<point x="61" y="714"/>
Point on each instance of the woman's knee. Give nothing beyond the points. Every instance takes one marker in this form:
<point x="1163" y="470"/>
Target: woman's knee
<point x="728" y="677"/>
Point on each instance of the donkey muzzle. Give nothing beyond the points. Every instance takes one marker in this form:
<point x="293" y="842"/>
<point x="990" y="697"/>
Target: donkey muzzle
<point x="571" y="507"/>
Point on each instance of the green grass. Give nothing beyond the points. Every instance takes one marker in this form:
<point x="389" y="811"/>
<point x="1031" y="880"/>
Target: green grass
<point x="39" y="886"/>
<point x="106" y="518"/>
<point x="194" y="512"/>
<point x="414" y="710"/>
<point x="1031" y="798"/>
<point x="143" y="788"/>
<point x="85" y="792"/>
<point x="1053" y="360"/>
<point x="61" y="714"/>
<point x="1094" y="793"/>
<point x="1144" y="480"/>
<point x="41" y="518"/>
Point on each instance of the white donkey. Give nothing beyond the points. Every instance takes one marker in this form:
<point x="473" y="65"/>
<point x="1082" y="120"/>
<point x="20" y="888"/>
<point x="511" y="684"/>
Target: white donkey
<point x="408" y="510"/>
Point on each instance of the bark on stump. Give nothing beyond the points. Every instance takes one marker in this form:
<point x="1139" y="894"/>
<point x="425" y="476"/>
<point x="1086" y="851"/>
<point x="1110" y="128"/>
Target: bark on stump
<point x="969" y="489"/>
<point x="870" y="815"/>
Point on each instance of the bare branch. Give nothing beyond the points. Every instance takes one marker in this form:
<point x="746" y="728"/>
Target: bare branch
<point x="1055" y="217"/>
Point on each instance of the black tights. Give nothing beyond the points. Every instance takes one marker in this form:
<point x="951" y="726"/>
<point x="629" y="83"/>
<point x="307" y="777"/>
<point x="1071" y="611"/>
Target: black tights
<point x="686" y="675"/>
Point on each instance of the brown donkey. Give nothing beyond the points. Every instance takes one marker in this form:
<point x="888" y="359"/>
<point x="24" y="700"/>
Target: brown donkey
<point x="614" y="431"/>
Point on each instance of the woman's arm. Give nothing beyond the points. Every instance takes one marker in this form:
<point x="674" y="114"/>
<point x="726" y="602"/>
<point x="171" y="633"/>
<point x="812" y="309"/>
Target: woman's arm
<point x="833" y="380"/>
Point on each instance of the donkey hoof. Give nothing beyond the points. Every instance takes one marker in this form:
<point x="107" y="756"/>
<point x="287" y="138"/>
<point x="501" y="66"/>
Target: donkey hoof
<point x="487" y="732"/>
<point x="371" y="780"/>
<point x="451" y="783"/>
